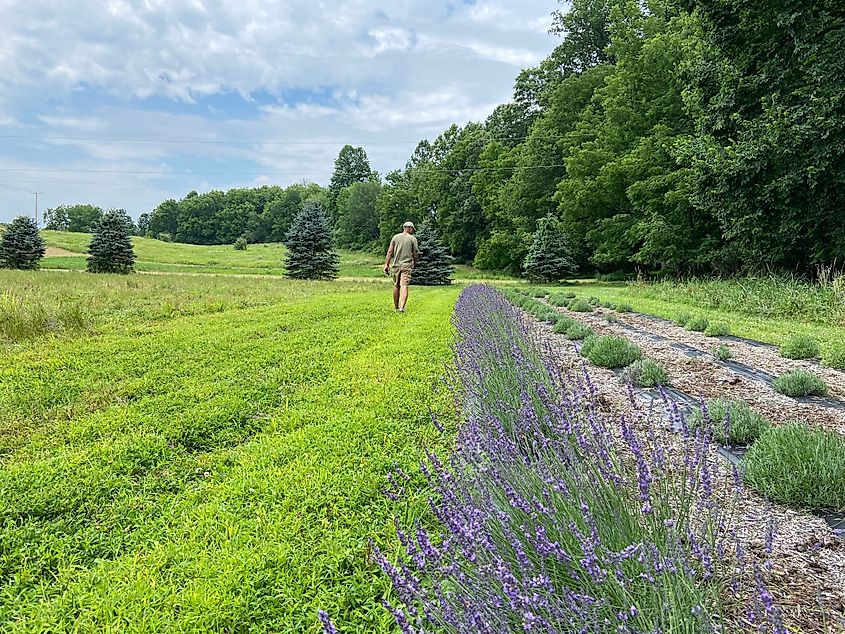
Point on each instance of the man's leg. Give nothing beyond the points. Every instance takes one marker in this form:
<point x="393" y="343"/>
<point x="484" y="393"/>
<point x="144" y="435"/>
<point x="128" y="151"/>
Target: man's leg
<point x="404" y="281"/>
<point x="395" y="297"/>
<point x="403" y="296"/>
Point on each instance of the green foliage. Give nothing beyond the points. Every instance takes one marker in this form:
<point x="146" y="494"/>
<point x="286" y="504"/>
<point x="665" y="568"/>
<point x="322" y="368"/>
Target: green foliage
<point x="111" y="250"/>
<point x="560" y="299"/>
<point x="357" y="224"/>
<point x="797" y="465"/>
<point x="611" y="318"/>
<point x="717" y="329"/>
<point x="21" y="246"/>
<point x="722" y="353"/>
<point x="800" y="346"/>
<point x="580" y="306"/>
<point x="766" y="88"/>
<point x="610" y="352"/>
<point x="834" y="357"/>
<point x="578" y="331"/>
<point x="682" y="319"/>
<point x="732" y="422"/>
<point x="350" y="166"/>
<point x="645" y="373"/>
<point x="241" y="244"/>
<point x="563" y="324"/>
<point x="140" y="486"/>
<point x="260" y="214"/>
<point x="623" y="308"/>
<point x="310" y="250"/>
<point x="550" y="256"/>
<point x="697" y="324"/>
<point x="800" y="383"/>
<point x="434" y="266"/>
<point x="75" y="218"/>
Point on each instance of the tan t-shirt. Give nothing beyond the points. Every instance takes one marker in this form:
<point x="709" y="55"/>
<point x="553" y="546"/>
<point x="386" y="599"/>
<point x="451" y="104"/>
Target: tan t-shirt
<point x="404" y="247"/>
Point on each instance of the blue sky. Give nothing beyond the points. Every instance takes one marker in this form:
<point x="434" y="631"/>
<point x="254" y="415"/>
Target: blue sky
<point x="123" y="103"/>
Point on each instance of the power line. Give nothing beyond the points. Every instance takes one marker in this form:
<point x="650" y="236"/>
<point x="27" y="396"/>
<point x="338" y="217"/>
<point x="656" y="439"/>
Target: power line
<point x="254" y="174"/>
<point x="233" y="142"/>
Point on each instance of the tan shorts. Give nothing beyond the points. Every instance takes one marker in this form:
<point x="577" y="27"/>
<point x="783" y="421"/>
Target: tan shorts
<point x="401" y="276"/>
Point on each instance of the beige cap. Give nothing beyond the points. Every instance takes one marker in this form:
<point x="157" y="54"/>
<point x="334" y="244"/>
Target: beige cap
<point x="409" y="224"/>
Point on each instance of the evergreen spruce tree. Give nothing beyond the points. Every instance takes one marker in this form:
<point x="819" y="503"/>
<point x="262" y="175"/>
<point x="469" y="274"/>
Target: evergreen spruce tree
<point x="550" y="257"/>
<point x="311" y="254"/>
<point x="434" y="266"/>
<point x="110" y="250"/>
<point x="21" y="246"/>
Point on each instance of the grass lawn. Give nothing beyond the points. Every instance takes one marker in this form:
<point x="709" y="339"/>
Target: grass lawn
<point x="259" y="259"/>
<point x="206" y="454"/>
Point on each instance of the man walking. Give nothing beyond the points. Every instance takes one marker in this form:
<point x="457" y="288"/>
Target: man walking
<point x="401" y="257"/>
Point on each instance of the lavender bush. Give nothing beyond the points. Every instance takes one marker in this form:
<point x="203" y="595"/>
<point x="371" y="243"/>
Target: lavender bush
<point x="555" y="518"/>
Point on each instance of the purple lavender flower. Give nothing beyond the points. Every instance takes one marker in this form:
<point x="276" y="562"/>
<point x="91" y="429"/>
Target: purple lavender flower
<point x="328" y="626"/>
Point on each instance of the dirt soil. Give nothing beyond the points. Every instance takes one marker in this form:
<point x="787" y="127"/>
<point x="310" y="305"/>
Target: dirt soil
<point x="806" y="569"/>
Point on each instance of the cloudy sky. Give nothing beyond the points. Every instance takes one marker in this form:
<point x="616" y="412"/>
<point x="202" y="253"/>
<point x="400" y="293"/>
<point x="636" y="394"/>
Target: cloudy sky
<point x="123" y="103"/>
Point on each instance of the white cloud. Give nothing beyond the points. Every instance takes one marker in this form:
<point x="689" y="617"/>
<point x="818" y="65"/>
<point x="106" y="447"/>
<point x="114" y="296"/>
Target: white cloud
<point x="359" y="71"/>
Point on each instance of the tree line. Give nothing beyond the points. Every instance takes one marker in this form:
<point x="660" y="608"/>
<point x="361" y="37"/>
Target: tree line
<point x="682" y="136"/>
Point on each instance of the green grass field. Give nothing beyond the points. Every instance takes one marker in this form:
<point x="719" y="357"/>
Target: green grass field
<point x="206" y="454"/>
<point x="155" y="256"/>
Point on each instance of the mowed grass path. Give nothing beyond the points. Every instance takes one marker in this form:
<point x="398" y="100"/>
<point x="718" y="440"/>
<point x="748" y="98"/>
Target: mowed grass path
<point x="213" y="472"/>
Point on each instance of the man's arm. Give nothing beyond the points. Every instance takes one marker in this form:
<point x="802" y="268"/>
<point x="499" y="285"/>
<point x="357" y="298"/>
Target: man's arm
<point x="416" y="252"/>
<point x="387" y="258"/>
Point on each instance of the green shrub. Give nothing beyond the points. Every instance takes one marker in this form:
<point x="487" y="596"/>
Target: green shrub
<point x="608" y="305"/>
<point x="717" y="329"/>
<point x="580" y="306"/>
<point x="538" y="292"/>
<point x="611" y="318"/>
<point x="549" y="316"/>
<point x="722" y="353"/>
<point x="834" y="357"/>
<point x="241" y="244"/>
<point x="558" y="299"/>
<point x="594" y="301"/>
<point x="624" y="308"/>
<point x="733" y="422"/>
<point x="610" y="352"/>
<point x="800" y="347"/>
<point x="570" y="295"/>
<point x="563" y="324"/>
<point x="800" y="383"/>
<point x="645" y="373"/>
<point x="796" y="465"/>
<point x="578" y="331"/>
<point x="682" y="319"/>
<point x="697" y="324"/>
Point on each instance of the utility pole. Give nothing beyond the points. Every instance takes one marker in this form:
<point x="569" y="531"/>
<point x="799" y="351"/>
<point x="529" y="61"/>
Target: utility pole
<point x="37" y="194"/>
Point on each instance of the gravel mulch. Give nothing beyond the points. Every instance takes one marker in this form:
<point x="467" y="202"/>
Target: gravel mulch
<point x="806" y="569"/>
